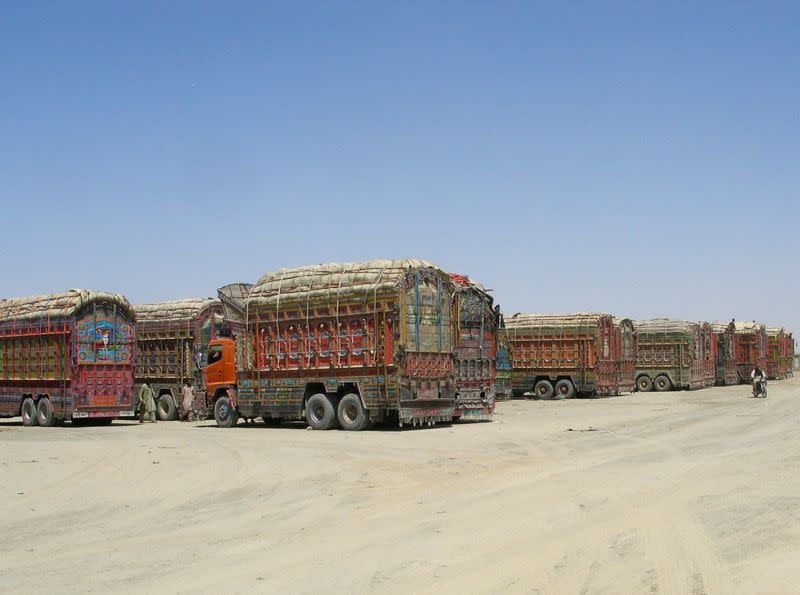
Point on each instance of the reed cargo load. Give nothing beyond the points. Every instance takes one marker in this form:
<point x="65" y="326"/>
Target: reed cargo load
<point x="722" y="351"/>
<point x="339" y="345"/>
<point x="477" y="324"/>
<point x="67" y="356"/>
<point x="171" y="343"/>
<point x="674" y="355"/>
<point x="562" y="356"/>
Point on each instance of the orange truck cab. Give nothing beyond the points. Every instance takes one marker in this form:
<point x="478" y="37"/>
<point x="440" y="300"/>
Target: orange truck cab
<point x="220" y="370"/>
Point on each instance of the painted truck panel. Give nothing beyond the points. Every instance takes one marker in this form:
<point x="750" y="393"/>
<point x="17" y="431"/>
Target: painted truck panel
<point x="503" y="390"/>
<point x="750" y="348"/>
<point x="780" y="351"/>
<point x="722" y="347"/>
<point x="477" y="324"/>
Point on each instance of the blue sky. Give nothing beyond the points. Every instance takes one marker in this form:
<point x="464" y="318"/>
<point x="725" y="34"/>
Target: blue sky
<point x="633" y="157"/>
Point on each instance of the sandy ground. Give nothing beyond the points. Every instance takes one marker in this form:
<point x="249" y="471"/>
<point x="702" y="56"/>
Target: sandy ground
<point x="677" y="493"/>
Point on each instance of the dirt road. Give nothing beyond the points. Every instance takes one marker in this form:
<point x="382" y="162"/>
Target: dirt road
<point x="676" y="493"/>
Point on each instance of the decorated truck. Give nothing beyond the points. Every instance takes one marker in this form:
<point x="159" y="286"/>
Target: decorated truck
<point x="562" y="356"/>
<point x="750" y="348"/>
<point x="67" y="356"/>
<point x="340" y="345"/>
<point x="722" y="335"/>
<point x="502" y="381"/>
<point x="789" y="356"/>
<point x="628" y="346"/>
<point x="477" y="324"/>
<point x="673" y="355"/>
<point x="780" y="349"/>
<point x="171" y="343"/>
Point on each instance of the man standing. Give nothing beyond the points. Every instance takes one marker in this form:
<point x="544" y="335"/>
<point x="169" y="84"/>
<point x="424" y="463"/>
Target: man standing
<point x="187" y="396"/>
<point x="147" y="404"/>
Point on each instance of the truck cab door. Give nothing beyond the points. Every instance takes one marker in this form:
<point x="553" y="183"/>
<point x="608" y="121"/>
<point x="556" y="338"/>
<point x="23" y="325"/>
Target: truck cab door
<point x="215" y="367"/>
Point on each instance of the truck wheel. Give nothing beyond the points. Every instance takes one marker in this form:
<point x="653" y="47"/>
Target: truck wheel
<point x="320" y="413"/>
<point x="351" y="414"/>
<point x="543" y="390"/>
<point x="28" y="412"/>
<point x="644" y="384"/>
<point x="663" y="384"/>
<point x="224" y="414"/>
<point x="564" y="389"/>
<point x="44" y="413"/>
<point x="166" y="408"/>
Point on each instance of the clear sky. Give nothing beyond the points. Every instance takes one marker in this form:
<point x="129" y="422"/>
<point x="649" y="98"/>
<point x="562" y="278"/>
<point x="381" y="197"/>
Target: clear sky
<point x="633" y="157"/>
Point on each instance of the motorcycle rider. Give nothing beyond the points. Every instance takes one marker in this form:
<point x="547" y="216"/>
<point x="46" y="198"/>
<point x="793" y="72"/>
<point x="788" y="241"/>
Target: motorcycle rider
<point x="758" y="377"/>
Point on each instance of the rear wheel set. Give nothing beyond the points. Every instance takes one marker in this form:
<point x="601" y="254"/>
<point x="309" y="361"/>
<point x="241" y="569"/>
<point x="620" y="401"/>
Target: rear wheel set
<point x="28" y="412"/>
<point x="350" y="413"/>
<point x="44" y="413"/>
<point x="322" y="413"/>
<point x="543" y="389"/>
<point x="663" y="384"/>
<point x="564" y="389"/>
<point x="644" y="384"/>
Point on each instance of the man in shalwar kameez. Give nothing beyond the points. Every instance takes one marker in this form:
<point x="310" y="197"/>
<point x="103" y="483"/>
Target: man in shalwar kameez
<point x="187" y="396"/>
<point x="147" y="404"/>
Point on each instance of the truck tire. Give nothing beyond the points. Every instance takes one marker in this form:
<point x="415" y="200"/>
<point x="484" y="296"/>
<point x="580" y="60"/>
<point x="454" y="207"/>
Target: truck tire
<point x="543" y="389"/>
<point x="351" y="413"/>
<point x="44" y="413"/>
<point x="320" y="413"/>
<point x="564" y="389"/>
<point x="166" y="409"/>
<point x="663" y="384"/>
<point x="28" y="412"/>
<point x="224" y="414"/>
<point x="644" y="384"/>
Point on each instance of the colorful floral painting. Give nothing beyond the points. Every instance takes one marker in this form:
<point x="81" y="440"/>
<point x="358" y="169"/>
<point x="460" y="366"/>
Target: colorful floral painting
<point x="103" y="341"/>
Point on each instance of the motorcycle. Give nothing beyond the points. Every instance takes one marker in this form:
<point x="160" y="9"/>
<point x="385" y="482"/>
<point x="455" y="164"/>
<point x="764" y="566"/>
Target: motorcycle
<point x="760" y="387"/>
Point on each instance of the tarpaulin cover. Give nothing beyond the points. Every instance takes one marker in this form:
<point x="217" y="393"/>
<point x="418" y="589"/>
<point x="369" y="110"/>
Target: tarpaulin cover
<point x="185" y="310"/>
<point x="349" y="281"/>
<point x="58" y="305"/>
